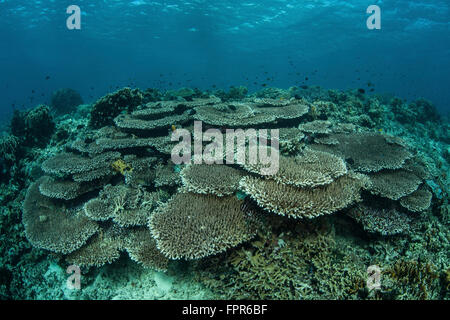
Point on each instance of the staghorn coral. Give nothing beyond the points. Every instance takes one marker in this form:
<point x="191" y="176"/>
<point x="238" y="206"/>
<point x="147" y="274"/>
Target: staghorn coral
<point x="50" y="225"/>
<point x="418" y="201"/>
<point x="413" y="279"/>
<point x="366" y="152"/>
<point x="141" y="247"/>
<point x="214" y="179"/>
<point x="295" y="202"/>
<point x="287" y="260"/>
<point x="393" y="184"/>
<point x="192" y="226"/>
<point x="384" y="221"/>
<point x="310" y="169"/>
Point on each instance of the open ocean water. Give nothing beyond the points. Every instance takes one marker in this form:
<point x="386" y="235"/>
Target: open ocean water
<point x="352" y="96"/>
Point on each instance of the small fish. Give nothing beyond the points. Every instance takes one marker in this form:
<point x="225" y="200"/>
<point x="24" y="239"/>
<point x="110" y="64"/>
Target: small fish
<point x="360" y="90"/>
<point x="47" y="78"/>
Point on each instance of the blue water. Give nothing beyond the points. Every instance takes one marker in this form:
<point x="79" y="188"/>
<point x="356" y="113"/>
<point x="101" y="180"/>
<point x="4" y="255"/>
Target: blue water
<point x="201" y="43"/>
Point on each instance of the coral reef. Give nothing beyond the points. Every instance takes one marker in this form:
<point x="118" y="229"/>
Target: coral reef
<point x="111" y="105"/>
<point x="101" y="192"/>
<point x="33" y="127"/>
